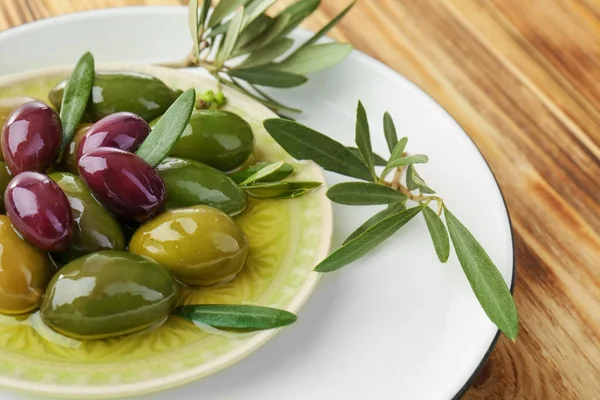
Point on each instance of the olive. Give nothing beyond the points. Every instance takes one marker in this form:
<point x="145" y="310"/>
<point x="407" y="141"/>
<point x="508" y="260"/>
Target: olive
<point x="117" y="91"/>
<point x="191" y="183"/>
<point x="5" y="178"/>
<point x="200" y="245"/>
<point x="108" y="294"/>
<point x="24" y="272"/>
<point x="123" y="130"/>
<point x="31" y="138"/>
<point x="123" y="182"/>
<point x="221" y="139"/>
<point x="95" y="229"/>
<point x="68" y="162"/>
<point x="6" y="106"/>
<point x="39" y="211"/>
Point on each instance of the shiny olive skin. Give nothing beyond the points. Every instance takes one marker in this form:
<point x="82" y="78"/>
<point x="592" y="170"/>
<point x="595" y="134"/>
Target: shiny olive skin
<point x="118" y="91"/>
<point x="191" y="183"/>
<point x="40" y="211"/>
<point x="68" y="163"/>
<point x="5" y="178"/>
<point x="6" y="106"/>
<point x="24" y="272"/>
<point x="123" y="182"/>
<point x="95" y="229"/>
<point x="123" y="130"/>
<point x="220" y="139"/>
<point x="200" y="245"/>
<point x="31" y="137"/>
<point x="108" y="294"/>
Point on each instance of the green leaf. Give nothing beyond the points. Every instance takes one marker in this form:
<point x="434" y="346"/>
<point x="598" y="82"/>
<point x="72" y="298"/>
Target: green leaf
<point x="363" y="138"/>
<point x="76" y="95"/>
<point x="268" y="53"/>
<point x="283" y="172"/>
<point x="414" y="159"/>
<point x="327" y="27"/>
<point x="367" y="241"/>
<point x="252" y="31"/>
<point x="268" y="77"/>
<point x="389" y="210"/>
<point x="165" y="134"/>
<point x="280" y="190"/>
<point x="223" y="9"/>
<point x="414" y="181"/>
<point x="273" y="105"/>
<point x="390" y="132"/>
<point x="262" y="173"/>
<point x="488" y="284"/>
<point x="377" y="159"/>
<point x="315" y="58"/>
<point x="298" y="12"/>
<point x="254" y="9"/>
<point x="363" y="194"/>
<point x="304" y="143"/>
<point x="398" y="149"/>
<point x="230" y="38"/>
<point x="194" y="24"/>
<point x="230" y="316"/>
<point x="270" y="34"/>
<point x="438" y="233"/>
<point x="203" y="13"/>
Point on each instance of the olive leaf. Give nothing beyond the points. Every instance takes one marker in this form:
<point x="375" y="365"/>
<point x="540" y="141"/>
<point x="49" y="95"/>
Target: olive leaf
<point x="194" y="25"/>
<point x="76" y="96"/>
<point x="255" y="9"/>
<point x="327" y="27"/>
<point x="414" y="181"/>
<point x="230" y="38"/>
<point x="367" y="240"/>
<point x="486" y="281"/>
<point x="223" y="9"/>
<point x="298" y="12"/>
<point x="304" y="143"/>
<point x="267" y="54"/>
<point x="280" y="190"/>
<point x="314" y="58"/>
<point x="398" y="150"/>
<point x="377" y="159"/>
<point x="203" y="14"/>
<point x="363" y="194"/>
<point x="389" y="130"/>
<point x="389" y="210"/>
<point x="252" y="31"/>
<point x="263" y="172"/>
<point x="398" y="162"/>
<point x="363" y="138"/>
<point x="231" y="316"/>
<point x="271" y="33"/>
<point x="165" y="134"/>
<point x="268" y="77"/>
<point x="282" y="172"/>
<point x="438" y="233"/>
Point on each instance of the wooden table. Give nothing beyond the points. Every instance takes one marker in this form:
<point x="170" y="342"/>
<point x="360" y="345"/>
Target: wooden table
<point x="523" y="78"/>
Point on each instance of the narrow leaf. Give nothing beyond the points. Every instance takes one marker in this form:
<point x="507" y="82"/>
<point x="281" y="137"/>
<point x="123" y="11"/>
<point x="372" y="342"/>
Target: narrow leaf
<point x="268" y="53"/>
<point x="252" y="31"/>
<point x="398" y="149"/>
<point x="269" y="35"/>
<point x="298" y="12"/>
<point x="262" y="173"/>
<point x="485" y="279"/>
<point x="223" y="9"/>
<point x="273" y="105"/>
<point x="280" y="190"/>
<point x="389" y="210"/>
<point x="230" y="38"/>
<point x="254" y="9"/>
<point x="194" y="24"/>
<point x="304" y="143"/>
<point x="438" y="233"/>
<point x="327" y="27"/>
<point x="363" y="194"/>
<point x="165" y="134"/>
<point x="315" y="58"/>
<point x="76" y="95"/>
<point x="390" y="132"/>
<point x="377" y="159"/>
<point x="268" y="77"/>
<point x="230" y="316"/>
<point x="283" y="172"/>
<point x="203" y="14"/>
<point x="363" y="138"/>
<point x="414" y="181"/>
<point x="367" y="241"/>
<point x="398" y="162"/>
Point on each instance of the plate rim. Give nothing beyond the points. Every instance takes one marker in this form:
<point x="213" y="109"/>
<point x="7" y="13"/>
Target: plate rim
<point x="365" y="57"/>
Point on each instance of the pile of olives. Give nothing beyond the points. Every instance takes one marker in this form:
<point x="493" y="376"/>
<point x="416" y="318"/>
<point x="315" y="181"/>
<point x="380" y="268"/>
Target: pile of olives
<point x="93" y="236"/>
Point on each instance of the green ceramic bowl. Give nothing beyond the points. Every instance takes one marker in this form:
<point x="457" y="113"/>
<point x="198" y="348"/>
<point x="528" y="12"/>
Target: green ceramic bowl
<point x="287" y="239"/>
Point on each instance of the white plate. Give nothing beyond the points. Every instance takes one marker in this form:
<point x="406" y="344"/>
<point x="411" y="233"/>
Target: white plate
<point x="397" y="323"/>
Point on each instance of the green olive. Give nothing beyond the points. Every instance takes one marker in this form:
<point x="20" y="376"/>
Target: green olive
<point x="221" y="139"/>
<point x="190" y="183"/>
<point x="108" y="294"/>
<point x="200" y="245"/>
<point x="68" y="162"/>
<point x="24" y="272"/>
<point x="113" y="92"/>
<point x="95" y="229"/>
<point x="5" y="178"/>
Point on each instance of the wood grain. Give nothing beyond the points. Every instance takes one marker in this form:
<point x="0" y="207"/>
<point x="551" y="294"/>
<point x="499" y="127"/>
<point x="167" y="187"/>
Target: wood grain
<point x="523" y="78"/>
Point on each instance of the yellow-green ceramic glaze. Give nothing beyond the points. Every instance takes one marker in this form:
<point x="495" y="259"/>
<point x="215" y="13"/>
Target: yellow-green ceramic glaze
<point x="287" y="239"/>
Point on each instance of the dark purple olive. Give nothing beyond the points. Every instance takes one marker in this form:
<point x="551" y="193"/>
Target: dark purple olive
<point x="40" y="211"/>
<point x="31" y="138"/>
<point x="123" y="182"/>
<point x="123" y="130"/>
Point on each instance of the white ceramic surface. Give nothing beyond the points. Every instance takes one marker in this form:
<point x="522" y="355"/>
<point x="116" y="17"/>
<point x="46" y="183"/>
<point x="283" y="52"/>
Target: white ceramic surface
<point x="397" y="323"/>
